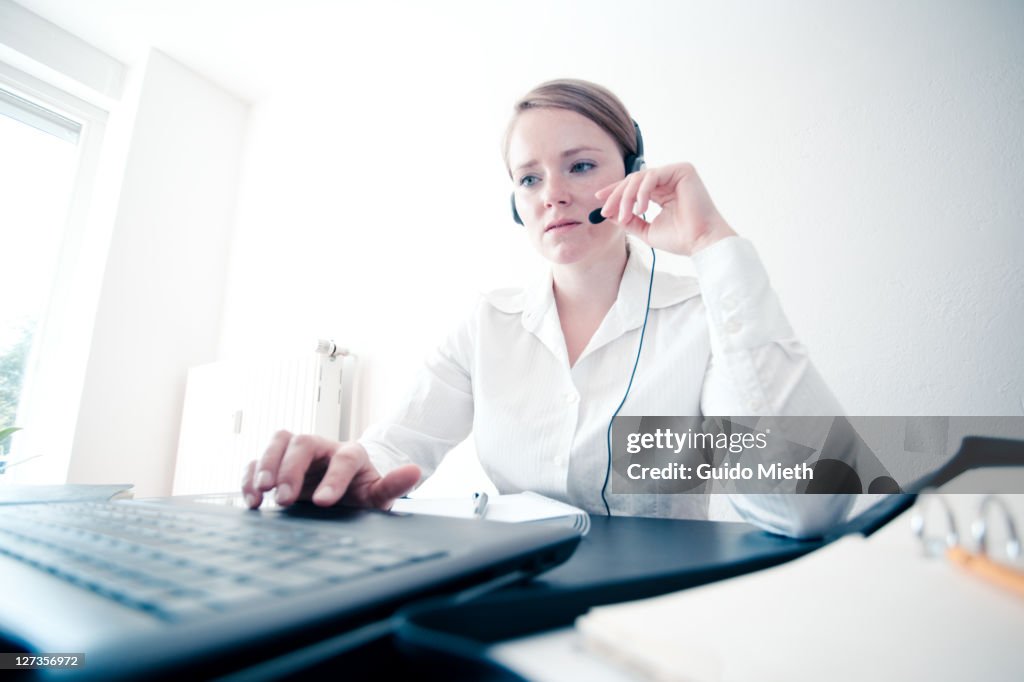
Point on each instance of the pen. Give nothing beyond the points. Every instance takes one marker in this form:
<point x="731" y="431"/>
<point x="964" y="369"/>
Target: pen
<point x="479" y="505"/>
<point x="981" y="565"/>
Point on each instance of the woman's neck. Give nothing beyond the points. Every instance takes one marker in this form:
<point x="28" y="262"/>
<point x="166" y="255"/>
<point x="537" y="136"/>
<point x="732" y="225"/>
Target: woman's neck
<point x="590" y="285"/>
<point x="584" y="293"/>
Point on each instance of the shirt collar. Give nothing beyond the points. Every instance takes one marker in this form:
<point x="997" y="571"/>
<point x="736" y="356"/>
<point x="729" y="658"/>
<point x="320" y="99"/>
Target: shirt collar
<point x="669" y="289"/>
<point x="536" y="303"/>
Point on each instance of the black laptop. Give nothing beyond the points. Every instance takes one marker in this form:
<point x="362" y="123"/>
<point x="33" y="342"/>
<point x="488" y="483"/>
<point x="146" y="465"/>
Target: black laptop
<point x="172" y="587"/>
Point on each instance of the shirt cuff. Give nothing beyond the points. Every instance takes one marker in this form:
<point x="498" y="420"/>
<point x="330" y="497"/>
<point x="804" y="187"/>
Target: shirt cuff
<point x="805" y="517"/>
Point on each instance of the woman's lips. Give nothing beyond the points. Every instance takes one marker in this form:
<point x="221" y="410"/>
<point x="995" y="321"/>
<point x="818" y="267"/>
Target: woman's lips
<point x="562" y="224"/>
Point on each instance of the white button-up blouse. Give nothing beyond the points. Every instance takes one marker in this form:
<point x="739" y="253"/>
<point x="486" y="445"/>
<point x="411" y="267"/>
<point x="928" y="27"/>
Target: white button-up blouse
<point x="715" y="345"/>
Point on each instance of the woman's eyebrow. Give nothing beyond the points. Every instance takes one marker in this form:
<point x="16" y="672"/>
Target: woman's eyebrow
<point x="567" y="152"/>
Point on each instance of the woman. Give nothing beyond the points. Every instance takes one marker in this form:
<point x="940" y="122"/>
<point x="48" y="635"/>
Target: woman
<point x="537" y="374"/>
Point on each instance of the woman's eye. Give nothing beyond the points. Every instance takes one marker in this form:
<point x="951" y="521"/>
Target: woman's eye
<point x="528" y="180"/>
<point x="582" y="166"/>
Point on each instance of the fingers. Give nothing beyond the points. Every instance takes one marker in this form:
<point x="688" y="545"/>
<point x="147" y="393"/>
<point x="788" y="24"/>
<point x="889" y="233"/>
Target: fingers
<point x="325" y="471"/>
<point x="345" y="464"/>
<point x="351" y="476"/>
<point x="643" y="193"/>
<point x="636" y="205"/>
<point x="270" y="462"/>
<point x="627" y="202"/>
<point x="636" y="225"/>
<point x="253" y="497"/>
<point x="302" y="449"/>
<point x="629" y="197"/>
<point x="398" y="482"/>
<point x="611" y="204"/>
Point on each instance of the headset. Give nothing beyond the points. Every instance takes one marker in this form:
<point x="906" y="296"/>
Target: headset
<point x="632" y="162"/>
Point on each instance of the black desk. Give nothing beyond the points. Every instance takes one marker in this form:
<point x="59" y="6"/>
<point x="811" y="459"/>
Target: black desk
<point x="622" y="553"/>
<point x="622" y="558"/>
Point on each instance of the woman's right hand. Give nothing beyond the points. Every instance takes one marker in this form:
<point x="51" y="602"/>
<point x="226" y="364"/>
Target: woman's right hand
<point x="308" y="467"/>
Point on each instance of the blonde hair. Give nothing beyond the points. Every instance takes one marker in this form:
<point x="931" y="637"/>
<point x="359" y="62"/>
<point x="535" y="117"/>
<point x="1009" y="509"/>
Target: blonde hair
<point x="588" y="99"/>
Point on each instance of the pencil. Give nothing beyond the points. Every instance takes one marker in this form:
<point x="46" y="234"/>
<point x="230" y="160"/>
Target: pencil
<point x="996" y="573"/>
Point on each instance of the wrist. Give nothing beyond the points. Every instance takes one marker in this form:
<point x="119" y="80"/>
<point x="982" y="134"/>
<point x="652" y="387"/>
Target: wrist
<point x="718" y="231"/>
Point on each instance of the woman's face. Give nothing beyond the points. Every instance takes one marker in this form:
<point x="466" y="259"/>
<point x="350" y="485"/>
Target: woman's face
<point x="559" y="159"/>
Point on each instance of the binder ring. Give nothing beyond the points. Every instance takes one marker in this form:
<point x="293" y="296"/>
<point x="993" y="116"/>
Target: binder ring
<point x="980" y="526"/>
<point x="917" y="521"/>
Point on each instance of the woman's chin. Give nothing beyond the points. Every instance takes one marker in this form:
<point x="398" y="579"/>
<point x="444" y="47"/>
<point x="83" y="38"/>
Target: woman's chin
<point x="566" y="254"/>
<point x="573" y="251"/>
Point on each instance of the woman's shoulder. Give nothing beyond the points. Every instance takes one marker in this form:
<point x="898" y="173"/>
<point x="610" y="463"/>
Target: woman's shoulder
<point x="511" y="300"/>
<point x="670" y="289"/>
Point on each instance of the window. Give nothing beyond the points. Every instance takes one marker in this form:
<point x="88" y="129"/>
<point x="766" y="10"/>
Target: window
<point x="49" y="144"/>
<point x="37" y="170"/>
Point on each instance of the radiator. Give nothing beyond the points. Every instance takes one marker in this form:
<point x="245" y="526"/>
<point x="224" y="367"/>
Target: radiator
<point x="232" y="408"/>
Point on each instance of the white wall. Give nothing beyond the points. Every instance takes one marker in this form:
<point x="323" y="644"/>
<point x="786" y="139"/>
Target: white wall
<point x="872" y="151"/>
<point x="161" y="303"/>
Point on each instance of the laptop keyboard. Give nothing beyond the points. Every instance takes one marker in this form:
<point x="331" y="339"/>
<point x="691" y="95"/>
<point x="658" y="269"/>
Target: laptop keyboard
<point x="178" y="566"/>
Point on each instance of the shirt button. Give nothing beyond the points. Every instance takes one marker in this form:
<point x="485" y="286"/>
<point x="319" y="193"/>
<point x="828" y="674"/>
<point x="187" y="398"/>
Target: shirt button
<point x="733" y="326"/>
<point x="571" y="397"/>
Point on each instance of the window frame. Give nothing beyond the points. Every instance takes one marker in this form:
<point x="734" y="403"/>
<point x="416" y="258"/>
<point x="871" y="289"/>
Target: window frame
<point x="51" y="390"/>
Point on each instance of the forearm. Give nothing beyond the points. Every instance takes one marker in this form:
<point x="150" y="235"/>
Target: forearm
<point x="435" y="415"/>
<point x="758" y="365"/>
<point x="759" y="369"/>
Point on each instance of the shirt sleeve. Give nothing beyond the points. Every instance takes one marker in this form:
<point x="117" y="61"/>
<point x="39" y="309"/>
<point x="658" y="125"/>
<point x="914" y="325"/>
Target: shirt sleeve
<point x="759" y="368"/>
<point x="437" y="413"/>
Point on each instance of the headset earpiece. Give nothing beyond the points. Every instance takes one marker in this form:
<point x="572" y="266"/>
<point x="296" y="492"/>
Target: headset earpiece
<point x="635" y="162"/>
<point x="515" y="211"/>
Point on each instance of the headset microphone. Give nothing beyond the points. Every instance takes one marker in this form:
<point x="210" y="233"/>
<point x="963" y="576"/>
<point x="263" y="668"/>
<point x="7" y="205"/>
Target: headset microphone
<point x="595" y="216"/>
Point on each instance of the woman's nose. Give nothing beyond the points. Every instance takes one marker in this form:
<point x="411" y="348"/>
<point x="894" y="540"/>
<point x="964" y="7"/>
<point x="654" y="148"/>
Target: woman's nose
<point x="556" y="191"/>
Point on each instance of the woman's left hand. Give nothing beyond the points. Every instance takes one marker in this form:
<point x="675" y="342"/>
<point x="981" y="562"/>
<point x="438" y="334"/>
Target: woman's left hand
<point x="688" y="221"/>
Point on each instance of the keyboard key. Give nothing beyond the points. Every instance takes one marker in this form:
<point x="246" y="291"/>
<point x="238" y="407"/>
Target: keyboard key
<point x="380" y="560"/>
<point x="337" y="571"/>
<point x="181" y="609"/>
<point x="284" y="582"/>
